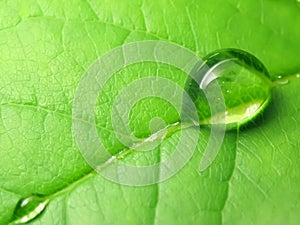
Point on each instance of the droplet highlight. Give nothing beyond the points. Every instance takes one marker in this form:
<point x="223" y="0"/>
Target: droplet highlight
<point x="243" y="80"/>
<point x="29" y="208"/>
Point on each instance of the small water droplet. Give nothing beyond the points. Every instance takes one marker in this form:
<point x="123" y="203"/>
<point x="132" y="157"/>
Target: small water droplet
<point x="282" y="81"/>
<point x="238" y="73"/>
<point x="29" y="208"/>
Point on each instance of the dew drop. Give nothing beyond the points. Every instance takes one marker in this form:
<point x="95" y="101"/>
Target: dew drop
<point x="236" y="72"/>
<point x="29" y="208"/>
<point x="282" y="81"/>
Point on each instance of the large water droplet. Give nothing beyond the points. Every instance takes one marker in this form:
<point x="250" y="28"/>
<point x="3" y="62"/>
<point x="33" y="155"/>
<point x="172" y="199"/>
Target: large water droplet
<point x="243" y="80"/>
<point x="29" y="208"/>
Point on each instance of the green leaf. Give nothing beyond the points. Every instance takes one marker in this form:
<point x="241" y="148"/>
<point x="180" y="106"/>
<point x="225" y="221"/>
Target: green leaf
<point x="47" y="46"/>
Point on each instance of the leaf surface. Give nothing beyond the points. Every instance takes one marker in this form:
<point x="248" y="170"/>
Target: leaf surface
<point x="45" y="50"/>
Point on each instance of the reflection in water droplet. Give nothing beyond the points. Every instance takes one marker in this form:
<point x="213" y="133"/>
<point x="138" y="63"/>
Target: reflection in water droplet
<point x="29" y="208"/>
<point x="238" y="73"/>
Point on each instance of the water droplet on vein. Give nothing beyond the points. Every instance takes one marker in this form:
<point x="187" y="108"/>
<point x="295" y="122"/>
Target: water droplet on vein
<point x="281" y="80"/>
<point x="230" y="71"/>
<point x="29" y="208"/>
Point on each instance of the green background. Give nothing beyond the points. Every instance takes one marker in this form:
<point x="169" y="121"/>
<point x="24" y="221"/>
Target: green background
<point x="45" y="48"/>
